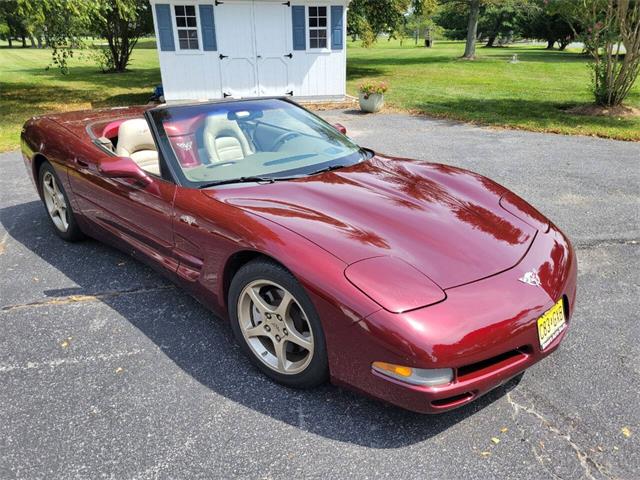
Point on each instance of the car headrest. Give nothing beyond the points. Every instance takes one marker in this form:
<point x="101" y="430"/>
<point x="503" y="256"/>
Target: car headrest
<point x="133" y="136"/>
<point x="217" y="129"/>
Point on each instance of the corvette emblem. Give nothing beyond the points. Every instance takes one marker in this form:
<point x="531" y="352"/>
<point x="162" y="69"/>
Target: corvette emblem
<point x="189" y="220"/>
<point x="531" y="278"/>
<point x="185" y="145"/>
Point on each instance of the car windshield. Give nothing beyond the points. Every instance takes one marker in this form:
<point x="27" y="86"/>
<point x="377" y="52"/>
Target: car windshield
<point x="248" y="140"/>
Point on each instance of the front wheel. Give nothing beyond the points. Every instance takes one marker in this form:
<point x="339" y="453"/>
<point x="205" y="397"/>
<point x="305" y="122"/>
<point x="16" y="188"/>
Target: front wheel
<point x="277" y="326"/>
<point x="57" y="204"/>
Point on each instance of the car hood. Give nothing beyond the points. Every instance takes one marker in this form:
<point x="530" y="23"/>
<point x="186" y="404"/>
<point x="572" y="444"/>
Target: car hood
<point x="444" y="221"/>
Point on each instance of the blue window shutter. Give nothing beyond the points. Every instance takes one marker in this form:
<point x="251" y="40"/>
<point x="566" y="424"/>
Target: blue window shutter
<point x="165" y="28"/>
<point x="208" y="27"/>
<point x="336" y="27"/>
<point x="299" y="27"/>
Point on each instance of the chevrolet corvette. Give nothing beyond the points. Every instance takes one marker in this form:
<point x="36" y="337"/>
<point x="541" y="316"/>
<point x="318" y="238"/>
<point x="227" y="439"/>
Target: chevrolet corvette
<point x="419" y="284"/>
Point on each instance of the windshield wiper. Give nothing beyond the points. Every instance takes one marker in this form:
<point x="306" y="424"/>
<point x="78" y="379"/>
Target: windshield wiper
<point x="328" y="169"/>
<point x="249" y="179"/>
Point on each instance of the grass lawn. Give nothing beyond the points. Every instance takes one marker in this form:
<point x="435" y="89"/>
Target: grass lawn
<point x="530" y="94"/>
<point x="27" y="88"/>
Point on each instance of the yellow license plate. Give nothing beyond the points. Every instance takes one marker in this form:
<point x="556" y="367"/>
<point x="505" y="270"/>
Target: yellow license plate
<point x="550" y="324"/>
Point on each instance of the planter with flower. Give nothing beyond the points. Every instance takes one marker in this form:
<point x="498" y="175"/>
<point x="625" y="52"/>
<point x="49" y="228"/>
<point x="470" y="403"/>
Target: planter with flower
<point x="372" y="96"/>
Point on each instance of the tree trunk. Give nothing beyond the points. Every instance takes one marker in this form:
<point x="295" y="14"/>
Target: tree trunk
<point x="33" y="41"/>
<point x="10" y="41"/>
<point x="472" y="30"/>
<point x="39" y="40"/>
<point x="562" y="45"/>
<point x="550" y="44"/>
<point x="24" y="41"/>
<point x="491" y="40"/>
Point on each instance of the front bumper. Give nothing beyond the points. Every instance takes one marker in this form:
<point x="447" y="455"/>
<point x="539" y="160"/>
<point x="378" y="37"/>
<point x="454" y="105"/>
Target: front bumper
<point x="486" y="331"/>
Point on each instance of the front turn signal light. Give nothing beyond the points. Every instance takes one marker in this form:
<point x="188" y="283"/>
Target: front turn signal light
<point x="415" y="376"/>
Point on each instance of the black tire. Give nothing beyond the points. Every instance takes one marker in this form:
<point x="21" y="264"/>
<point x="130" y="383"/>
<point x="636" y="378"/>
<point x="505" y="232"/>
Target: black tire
<point x="73" y="232"/>
<point x="317" y="371"/>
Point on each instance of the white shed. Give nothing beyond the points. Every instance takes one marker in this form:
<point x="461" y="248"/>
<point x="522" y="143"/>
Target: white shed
<point x="242" y="48"/>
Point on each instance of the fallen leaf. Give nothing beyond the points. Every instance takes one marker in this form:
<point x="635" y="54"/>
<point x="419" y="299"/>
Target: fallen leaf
<point x="119" y="370"/>
<point x="615" y="449"/>
<point x="600" y="449"/>
<point x="495" y="440"/>
<point x="626" y="431"/>
<point x="66" y="342"/>
<point x="504" y="429"/>
<point x="36" y="279"/>
<point x="485" y="453"/>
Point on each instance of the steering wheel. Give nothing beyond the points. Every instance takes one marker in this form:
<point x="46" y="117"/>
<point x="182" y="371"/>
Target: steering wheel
<point x="221" y="164"/>
<point x="285" y="137"/>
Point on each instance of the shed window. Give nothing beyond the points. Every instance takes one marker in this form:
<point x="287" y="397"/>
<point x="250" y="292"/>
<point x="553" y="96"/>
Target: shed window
<point x="187" y="27"/>
<point x="317" y="27"/>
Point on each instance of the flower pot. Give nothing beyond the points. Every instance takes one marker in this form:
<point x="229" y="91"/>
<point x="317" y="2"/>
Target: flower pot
<point x="372" y="102"/>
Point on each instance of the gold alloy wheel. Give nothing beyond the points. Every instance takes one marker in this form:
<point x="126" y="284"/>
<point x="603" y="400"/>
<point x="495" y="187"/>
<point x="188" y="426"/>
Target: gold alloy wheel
<point x="55" y="202"/>
<point x="275" y="327"/>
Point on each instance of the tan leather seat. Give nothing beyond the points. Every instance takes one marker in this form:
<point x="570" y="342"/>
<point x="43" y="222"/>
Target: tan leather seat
<point x="224" y="140"/>
<point x="135" y="141"/>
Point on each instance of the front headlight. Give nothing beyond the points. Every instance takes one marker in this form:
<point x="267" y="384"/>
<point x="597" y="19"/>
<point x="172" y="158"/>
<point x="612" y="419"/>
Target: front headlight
<point x="415" y="376"/>
<point x="394" y="284"/>
<point x="525" y="212"/>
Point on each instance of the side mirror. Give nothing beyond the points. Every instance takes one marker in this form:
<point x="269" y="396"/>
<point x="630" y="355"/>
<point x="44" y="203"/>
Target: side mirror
<point x="124" y="167"/>
<point x="341" y="128"/>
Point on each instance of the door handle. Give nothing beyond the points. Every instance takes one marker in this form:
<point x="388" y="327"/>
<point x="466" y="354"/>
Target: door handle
<point x="221" y="56"/>
<point x="290" y="55"/>
<point x="82" y="163"/>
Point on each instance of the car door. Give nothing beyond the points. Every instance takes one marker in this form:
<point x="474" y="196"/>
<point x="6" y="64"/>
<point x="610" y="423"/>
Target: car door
<point x="137" y="218"/>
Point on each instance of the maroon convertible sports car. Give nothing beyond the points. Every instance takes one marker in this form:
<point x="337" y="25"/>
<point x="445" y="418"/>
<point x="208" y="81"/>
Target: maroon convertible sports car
<point x="416" y="283"/>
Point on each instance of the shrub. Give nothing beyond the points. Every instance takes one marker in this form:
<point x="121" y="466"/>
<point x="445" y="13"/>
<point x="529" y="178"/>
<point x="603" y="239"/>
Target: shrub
<point x="369" y="88"/>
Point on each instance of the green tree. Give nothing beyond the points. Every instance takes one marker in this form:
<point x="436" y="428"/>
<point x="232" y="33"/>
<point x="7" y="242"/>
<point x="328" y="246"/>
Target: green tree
<point x="472" y="30"/>
<point x="66" y="24"/>
<point x="610" y="31"/>
<point x="369" y="18"/>
<point x="464" y="15"/>
<point x="122" y="23"/>
<point x="503" y="20"/>
<point x="12" y="23"/>
<point x="543" y="22"/>
<point x="475" y="19"/>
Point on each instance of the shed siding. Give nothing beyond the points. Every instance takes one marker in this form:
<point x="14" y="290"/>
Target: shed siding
<point x="196" y="75"/>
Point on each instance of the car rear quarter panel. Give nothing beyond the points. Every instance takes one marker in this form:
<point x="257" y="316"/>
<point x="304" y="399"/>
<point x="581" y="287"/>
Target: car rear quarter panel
<point x="41" y="136"/>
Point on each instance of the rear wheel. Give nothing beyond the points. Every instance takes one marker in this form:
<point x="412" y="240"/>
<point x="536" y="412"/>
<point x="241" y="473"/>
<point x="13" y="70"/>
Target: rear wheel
<point x="57" y="204"/>
<point x="277" y="325"/>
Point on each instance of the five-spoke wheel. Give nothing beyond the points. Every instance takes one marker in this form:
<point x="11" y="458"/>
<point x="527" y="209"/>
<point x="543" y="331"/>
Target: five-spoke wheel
<point x="277" y="324"/>
<point x="57" y="204"/>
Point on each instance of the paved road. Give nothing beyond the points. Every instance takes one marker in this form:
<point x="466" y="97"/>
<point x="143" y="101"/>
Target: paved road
<point x="108" y="371"/>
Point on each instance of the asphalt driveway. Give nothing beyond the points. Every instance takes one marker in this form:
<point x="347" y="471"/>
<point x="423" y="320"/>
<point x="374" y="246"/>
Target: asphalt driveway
<point x="108" y="371"/>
